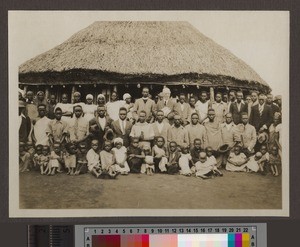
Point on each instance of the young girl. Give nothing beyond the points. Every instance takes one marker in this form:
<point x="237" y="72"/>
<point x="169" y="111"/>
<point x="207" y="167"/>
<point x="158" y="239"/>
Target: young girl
<point x="204" y="167"/>
<point x="173" y="161"/>
<point x="55" y="159"/>
<point x="44" y="160"/>
<point x="148" y="165"/>
<point x="108" y="161"/>
<point x="93" y="159"/>
<point x="252" y="164"/>
<point x="184" y="161"/>
<point x="81" y="166"/>
<point x="275" y="161"/>
<point x="159" y="154"/>
<point x="135" y="155"/>
<point x="70" y="158"/>
<point x="236" y="161"/>
<point x="120" y="153"/>
<point x="264" y="160"/>
<point x="212" y="159"/>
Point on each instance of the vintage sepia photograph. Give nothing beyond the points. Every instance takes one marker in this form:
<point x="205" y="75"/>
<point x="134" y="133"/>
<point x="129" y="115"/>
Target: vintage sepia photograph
<point x="148" y="113"/>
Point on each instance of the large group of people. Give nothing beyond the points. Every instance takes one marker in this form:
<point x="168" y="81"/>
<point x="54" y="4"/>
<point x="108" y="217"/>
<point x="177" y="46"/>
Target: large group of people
<point x="172" y="135"/>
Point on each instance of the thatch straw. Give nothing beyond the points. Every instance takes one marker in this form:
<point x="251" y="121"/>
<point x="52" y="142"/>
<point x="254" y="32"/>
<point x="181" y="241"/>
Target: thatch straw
<point x="142" y="48"/>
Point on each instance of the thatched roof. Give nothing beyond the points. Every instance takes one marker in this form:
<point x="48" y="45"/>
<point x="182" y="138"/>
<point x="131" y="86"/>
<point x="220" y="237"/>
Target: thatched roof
<point x="139" y="52"/>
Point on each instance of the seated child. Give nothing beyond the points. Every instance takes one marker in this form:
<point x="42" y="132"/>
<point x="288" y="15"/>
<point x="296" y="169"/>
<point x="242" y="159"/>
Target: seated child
<point x="252" y="164"/>
<point x="159" y="154"/>
<point x="70" y="158"/>
<point x="93" y="159"/>
<point x="120" y="153"/>
<point x="204" y="167"/>
<point x="212" y="159"/>
<point x="44" y="160"/>
<point x="81" y="166"/>
<point x="237" y="160"/>
<point x="108" y="161"/>
<point x="37" y="156"/>
<point x="148" y="163"/>
<point x="24" y="158"/>
<point x="275" y="161"/>
<point x="264" y="160"/>
<point x="135" y="155"/>
<point x="184" y="161"/>
<point x="173" y="161"/>
<point x="30" y="149"/>
<point x="195" y="151"/>
<point x="55" y="159"/>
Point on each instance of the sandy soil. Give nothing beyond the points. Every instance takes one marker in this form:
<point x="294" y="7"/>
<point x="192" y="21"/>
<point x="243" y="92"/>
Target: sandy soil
<point x="232" y="191"/>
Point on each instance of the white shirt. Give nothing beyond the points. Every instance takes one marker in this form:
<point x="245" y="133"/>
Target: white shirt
<point x="20" y="119"/>
<point x="181" y="106"/>
<point x="40" y="128"/>
<point x="102" y="122"/>
<point x="113" y="109"/>
<point x="202" y="109"/>
<point x="160" y="126"/>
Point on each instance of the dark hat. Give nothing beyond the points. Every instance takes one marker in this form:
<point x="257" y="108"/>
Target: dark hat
<point x="224" y="148"/>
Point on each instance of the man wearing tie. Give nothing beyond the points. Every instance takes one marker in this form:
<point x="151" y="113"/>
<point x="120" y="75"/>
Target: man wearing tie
<point x="122" y="127"/>
<point x="238" y="107"/>
<point x="261" y="115"/>
<point x="166" y="104"/>
<point x="144" y="104"/>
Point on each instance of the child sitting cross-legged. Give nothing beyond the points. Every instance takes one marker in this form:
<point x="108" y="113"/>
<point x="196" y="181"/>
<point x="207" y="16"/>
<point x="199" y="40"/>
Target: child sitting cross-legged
<point x="135" y="156"/>
<point x="159" y="154"/>
<point x="108" y="162"/>
<point x="237" y="160"/>
<point x="44" y="160"/>
<point x="70" y="158"/>
<point x="173" y="159"/>
<point x="120" y="154"/>
<point x="93" y="159"/>
<point x="252" y="164"/>
<point x="81" y="164"/>
<point x="37" y="156"/>
<point x="264" y="160"/>
<point x="204" y="167"/>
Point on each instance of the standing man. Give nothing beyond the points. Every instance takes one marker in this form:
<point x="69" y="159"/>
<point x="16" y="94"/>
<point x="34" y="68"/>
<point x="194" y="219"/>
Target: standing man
<point x="99" y="125"/>
<point x="195" y="130"/>
<point x="40" y="127"/>
<point x="261" y="115"/>
<point x="113" y="106"/>
<point x="24" y="123"/>
<point x="177" y="133"/>
<point x="192" y="103"/>
<point x="122" y="127"/>
<point x="232" y="99"/>
<point x="213" y="131"/>
<point x="167" y="104"/>
<point x="78" y="126"/>
<point x="183" y="109"/>
<point x="220" y="108"/>
<point x="254" y="101"/>
<point x="143" y="130"/>
<point x="77" y="100"/>
<point x="160" y="127"/>
<point x="144" y="104"/>
<point x="238" y="107"/>
<point x="51" y="106"/>
<point x="270" y="102"/>
<point x="246" y="135"/>
<point x="31" y="107"/>
<point x="202" y="106"/>
<point x="65" y="107"/>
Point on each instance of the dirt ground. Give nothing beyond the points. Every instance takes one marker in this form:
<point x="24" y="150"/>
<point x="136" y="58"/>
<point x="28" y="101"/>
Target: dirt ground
<point x="232" y="191"/>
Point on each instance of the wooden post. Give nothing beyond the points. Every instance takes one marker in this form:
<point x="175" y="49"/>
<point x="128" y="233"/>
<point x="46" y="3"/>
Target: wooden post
<point x="212" y="94"/>
<point x="72" y="93"/>
<point x="115" y="88"/>
<point x="25" y="89"/>
<point x="47" y="92"/>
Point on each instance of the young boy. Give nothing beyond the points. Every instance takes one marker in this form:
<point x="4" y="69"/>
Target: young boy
<point x="204" y="167"/>
<point x="108" y="161"/>
<point x="173" y="159"/>
<point x="57" y="130"/>
<point x="195" y="150"/>
<point x="212" y="159"/>
<point x="93" y="159"/>
<point x="264" y="161"/>
<point x="135" y="156"/>
<point x="81" y="164"/>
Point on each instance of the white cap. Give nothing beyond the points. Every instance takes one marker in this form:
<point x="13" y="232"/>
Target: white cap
<point x="126" y="96"/>
<point x="89" y="96"/>
<point x="166" y="90"/>
<point x="100" y="96"/>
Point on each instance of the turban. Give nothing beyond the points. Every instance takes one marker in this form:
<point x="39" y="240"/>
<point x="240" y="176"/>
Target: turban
<point x="126" y="96"/>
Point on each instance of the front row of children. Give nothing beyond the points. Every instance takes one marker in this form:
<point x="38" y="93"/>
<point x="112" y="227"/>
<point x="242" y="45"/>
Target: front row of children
<point x="116" y="159"/>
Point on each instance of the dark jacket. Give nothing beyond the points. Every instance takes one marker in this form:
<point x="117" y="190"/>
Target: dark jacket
<point x="115" y="126"/>
<point x="96" y="131"/>
<point x="236" y="113"/>
<point x="258" y="120"/>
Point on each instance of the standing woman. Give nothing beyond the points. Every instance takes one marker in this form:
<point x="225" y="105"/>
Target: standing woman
<point x="89" y="108"/>
<point x="101" y="100"/>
